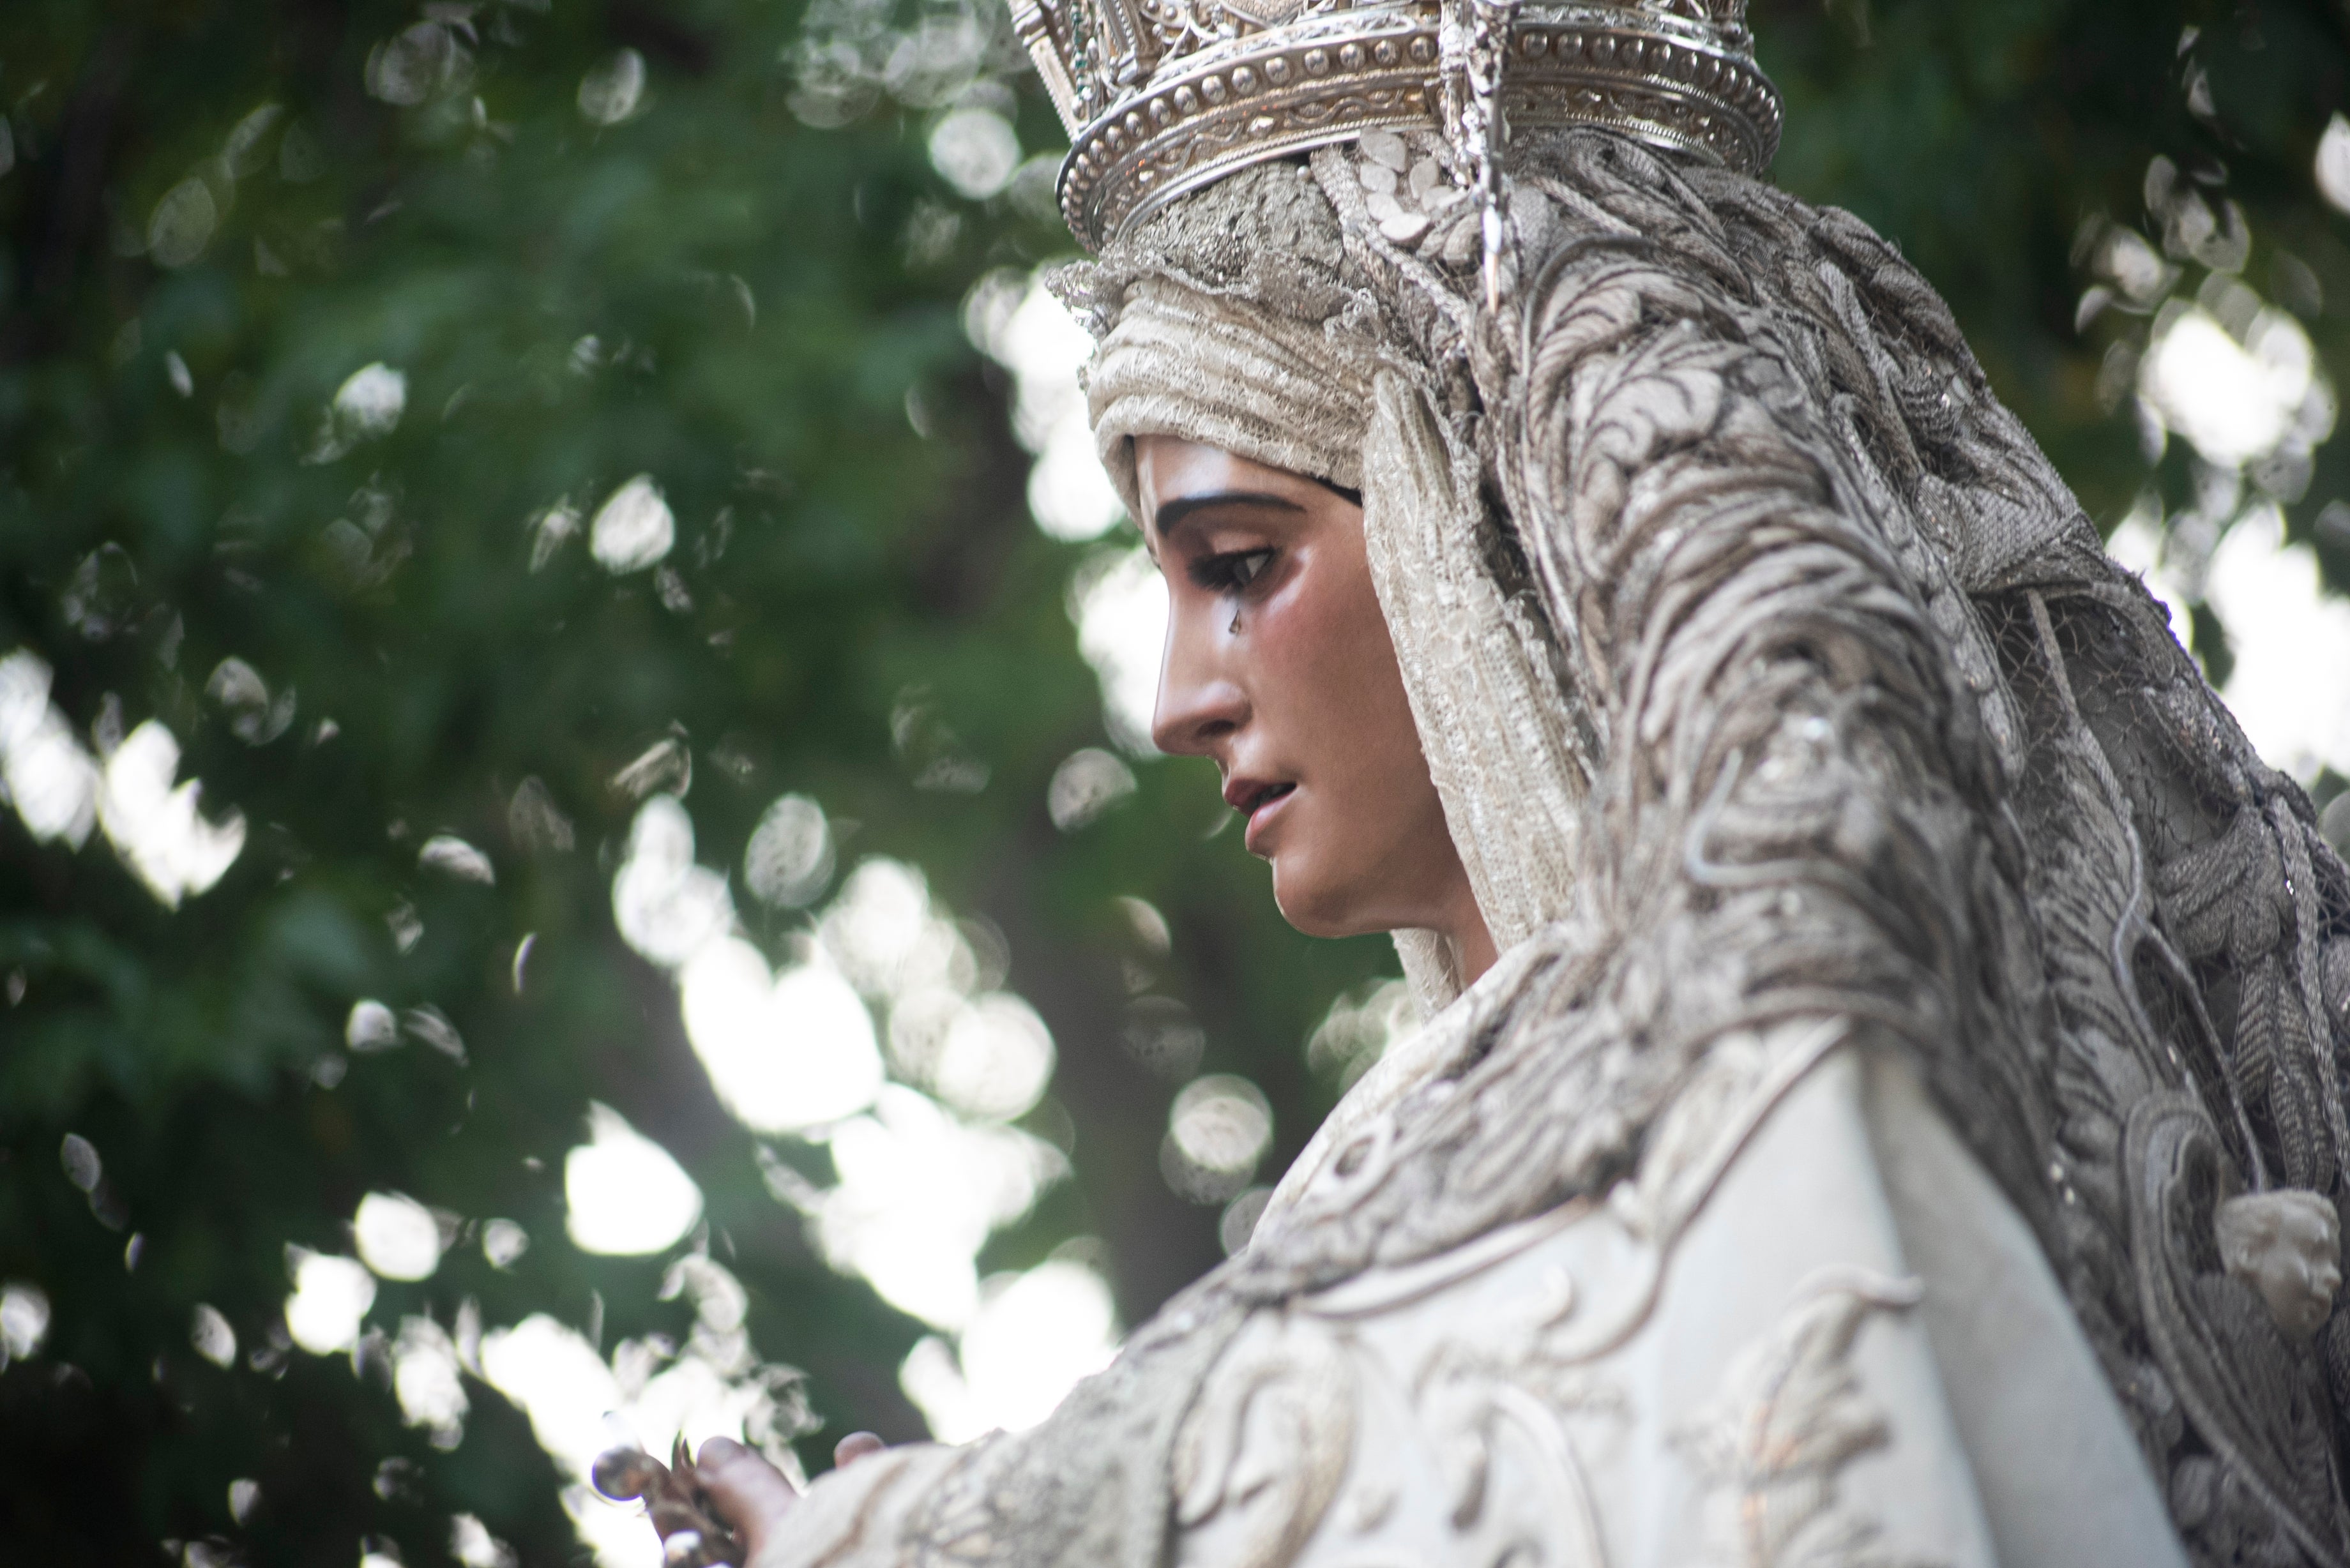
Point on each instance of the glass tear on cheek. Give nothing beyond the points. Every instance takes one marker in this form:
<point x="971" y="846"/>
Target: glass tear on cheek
<point x="1224" y="819"/>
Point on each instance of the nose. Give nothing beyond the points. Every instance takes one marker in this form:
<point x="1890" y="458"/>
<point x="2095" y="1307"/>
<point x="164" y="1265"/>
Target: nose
<point x="1200" y="705"/>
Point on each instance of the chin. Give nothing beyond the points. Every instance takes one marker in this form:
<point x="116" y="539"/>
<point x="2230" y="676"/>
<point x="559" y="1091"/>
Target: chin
<point x="1314" y="906"/>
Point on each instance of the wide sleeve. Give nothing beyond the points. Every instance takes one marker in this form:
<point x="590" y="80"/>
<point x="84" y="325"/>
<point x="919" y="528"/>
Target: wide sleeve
<point x="857" y="1517"/>
<point x="1806" y="1326"/>
<point x="1859" y="1338"/>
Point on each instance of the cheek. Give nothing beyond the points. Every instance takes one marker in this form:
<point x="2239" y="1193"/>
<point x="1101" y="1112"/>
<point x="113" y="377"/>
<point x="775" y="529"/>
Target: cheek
<point x="1330" y="674"/>
<point x="1374" y="818"/>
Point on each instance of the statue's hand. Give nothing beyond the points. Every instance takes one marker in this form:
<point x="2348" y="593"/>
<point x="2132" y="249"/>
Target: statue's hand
<point x="694" y="1533"/>
<point x="721" y="1507"/>
<point x="751" y="1496"/>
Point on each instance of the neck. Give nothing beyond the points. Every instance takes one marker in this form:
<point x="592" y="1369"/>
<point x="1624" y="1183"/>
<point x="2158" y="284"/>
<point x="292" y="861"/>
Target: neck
<point x="1473" y="945"/>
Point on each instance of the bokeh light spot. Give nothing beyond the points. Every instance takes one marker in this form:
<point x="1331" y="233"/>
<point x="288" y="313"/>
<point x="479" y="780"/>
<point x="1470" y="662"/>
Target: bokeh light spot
<point x="875" y="927"/>
<point x="370" y="1026"/>
<point x="331" y="1298"/>
<point x="1033" y="1336"/>
<point x="79" y="1157"/>
<point x="24" y="1319"/>
<point x="371" y="400"/>
<point x="1016" y="321"/>
<point x="44" y="772"/>
<point x="918" y="1194"/>
<point x="211" y="1336"/>
<point x="397" y="1236"/>
<point x="1360" y="1028"/>
<point x="1238" y="1223"/>
<point x="156" y="827"/>
<point x="182" y="223"/>
<point x="665" y="905"/>
<point x="562" y="1384"/>
<point x="1217" y="1131"/>
<point x="633" y="529"/>
<point x="2333" y="163"/>
<point x="409" y="66"/>
<point x="2290" y="687"/>
<point x="472" y="1545"/>
<point x="614" y="90"/>
<point x="624" y="1195"/>
<point x="2236" y="402"/>
<point x="504" y="1242"/>
<point x="789" y="859"/>
<point x="1087" y="783"/>
<point x="976" y="150"/>
<point x="425" y="1380"/>
<point x="784" y="1053"/>
<point x="995" y="1059"/>
<point x="1119" y="601"/>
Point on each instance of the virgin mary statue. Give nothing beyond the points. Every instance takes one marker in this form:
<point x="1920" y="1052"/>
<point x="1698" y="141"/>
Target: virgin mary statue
<point x="1904" y="1121"/>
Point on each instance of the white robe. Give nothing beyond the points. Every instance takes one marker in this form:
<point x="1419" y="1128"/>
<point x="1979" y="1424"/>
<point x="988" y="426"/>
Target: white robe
<point x="1808" y="1330"/>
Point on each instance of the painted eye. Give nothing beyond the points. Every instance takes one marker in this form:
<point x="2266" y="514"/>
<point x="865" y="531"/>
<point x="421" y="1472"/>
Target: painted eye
<point x="1246" y="569"/>
<point x="1232" y="572"/>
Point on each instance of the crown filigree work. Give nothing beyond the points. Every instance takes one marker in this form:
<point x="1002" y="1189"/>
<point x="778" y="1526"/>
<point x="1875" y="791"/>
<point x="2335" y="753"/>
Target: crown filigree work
<point x="1162" y="97"/>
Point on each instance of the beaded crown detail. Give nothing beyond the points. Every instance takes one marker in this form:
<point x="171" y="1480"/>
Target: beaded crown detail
<point x="1162" y="97"/>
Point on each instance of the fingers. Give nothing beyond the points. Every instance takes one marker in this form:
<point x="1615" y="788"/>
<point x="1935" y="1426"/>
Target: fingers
<point x="752" y="1493"/>
<point x="854" y="1447"/>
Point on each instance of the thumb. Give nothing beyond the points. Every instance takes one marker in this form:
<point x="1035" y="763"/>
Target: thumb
<point x="752" y="1495"/>
<point x="854" y="1447"/>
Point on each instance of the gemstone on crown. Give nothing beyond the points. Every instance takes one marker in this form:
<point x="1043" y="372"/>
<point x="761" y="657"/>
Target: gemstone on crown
<point x="1162" y="97"/>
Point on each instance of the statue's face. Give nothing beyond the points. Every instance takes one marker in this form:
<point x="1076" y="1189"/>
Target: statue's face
<point x="2287" y="1245"/>
<point x="2303" y="1274"/>
<point x="1279" y="667"/>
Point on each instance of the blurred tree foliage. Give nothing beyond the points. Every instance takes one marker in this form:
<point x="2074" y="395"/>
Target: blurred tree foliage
<point x="216" y="214"/>
<point x="2007" y="146"/>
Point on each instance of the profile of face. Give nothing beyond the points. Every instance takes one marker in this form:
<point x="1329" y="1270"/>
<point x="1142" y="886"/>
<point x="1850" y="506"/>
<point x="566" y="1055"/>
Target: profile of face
<point x="2287" y="1246"/>
<point x="1279" y="668"/>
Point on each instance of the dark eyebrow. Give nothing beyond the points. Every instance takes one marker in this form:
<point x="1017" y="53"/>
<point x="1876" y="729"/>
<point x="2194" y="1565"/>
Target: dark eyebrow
<point x="1173" y="515"/>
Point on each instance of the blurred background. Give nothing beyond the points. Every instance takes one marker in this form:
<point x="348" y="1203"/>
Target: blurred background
<point x="579" y="857"/>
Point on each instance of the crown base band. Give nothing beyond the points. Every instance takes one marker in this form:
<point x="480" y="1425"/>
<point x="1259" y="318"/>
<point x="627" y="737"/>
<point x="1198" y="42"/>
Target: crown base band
<point x="1279" y="96"/>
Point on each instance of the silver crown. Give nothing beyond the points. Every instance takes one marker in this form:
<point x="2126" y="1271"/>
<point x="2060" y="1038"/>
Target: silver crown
<point x="1162" y="97"/>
